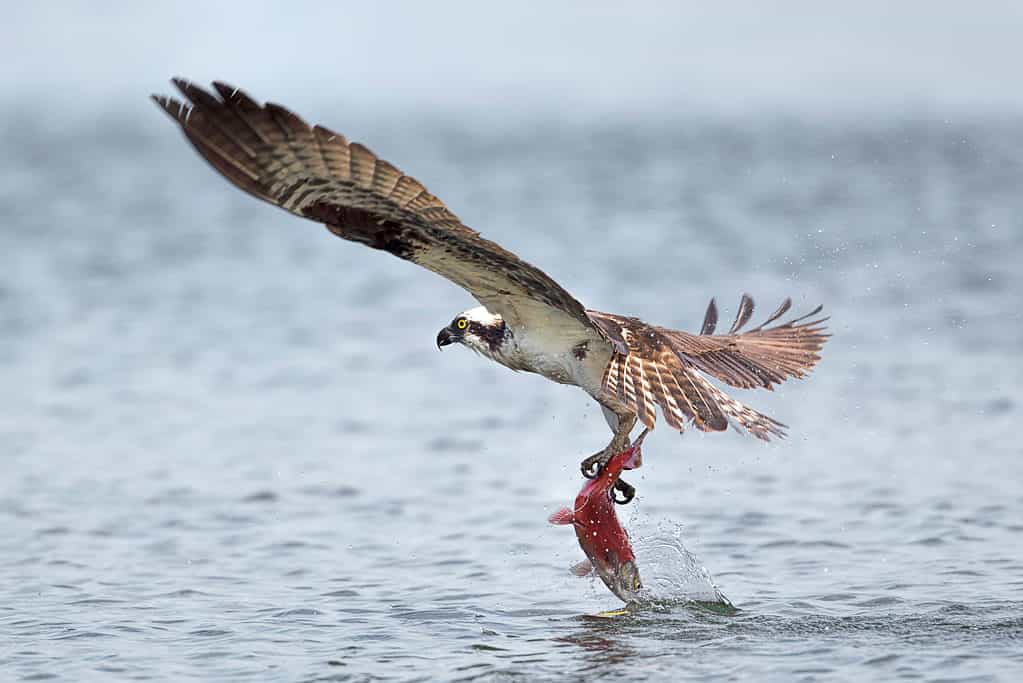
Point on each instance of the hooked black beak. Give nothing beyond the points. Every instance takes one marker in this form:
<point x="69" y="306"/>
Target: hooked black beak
<point x="444" y="338"/>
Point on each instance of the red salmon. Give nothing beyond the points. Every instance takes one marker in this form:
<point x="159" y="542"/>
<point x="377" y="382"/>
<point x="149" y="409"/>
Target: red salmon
<point x="601" y="536"/>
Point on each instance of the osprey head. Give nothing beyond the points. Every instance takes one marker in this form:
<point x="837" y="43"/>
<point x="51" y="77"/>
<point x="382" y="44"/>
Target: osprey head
<point x="477" y="328"/>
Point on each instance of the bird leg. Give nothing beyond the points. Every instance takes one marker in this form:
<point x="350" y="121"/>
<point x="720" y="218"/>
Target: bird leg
<point x="627" y="490"/>
<point x="592" y="465"/>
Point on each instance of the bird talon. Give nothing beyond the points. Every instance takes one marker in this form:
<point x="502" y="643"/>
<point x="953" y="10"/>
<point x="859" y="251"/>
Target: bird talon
<point x="627" y="490"/>
<point x="592" y="466"/>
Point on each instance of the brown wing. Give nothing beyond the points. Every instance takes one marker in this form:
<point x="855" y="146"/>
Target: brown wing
<point x="654" y="373"/>
<point x="312" y="172"/>
<point x="760" y="357"/>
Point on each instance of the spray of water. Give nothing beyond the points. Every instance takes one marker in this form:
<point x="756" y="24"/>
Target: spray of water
<point x="671" y="574"/>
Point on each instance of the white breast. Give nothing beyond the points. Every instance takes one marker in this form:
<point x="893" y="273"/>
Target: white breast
<point x="562" y="358"/>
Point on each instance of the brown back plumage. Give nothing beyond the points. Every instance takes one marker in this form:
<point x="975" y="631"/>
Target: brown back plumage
<point x="661" y="367"/>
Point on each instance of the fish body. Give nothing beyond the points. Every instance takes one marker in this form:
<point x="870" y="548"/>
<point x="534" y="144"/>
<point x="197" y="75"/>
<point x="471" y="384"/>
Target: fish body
<point x="601" y="536"/>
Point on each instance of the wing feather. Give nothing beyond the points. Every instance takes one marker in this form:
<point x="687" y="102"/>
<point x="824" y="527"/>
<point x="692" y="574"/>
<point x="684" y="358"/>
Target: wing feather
<point x="610" y="381"/>
<point x="673" y="414"/>
<point x="363" y="165"/>
<point x="334" y="150"/>
<point x="779" y="312"/>
<point x="710" y="318"/>
<point x="385" y="178"/>
<point x="300" y="137"/>
<point x="654" y="372"/>
<point x="406" y="190"/>
<point x="622" y="374"/>
<point x="271" y="153"/>
<point x="742" y="315"/>
<point x="629" y="385"/>
<point x="760" y="357"/>
<point x="708" y="414"/>
<point x="644" y="394"/>
<point x="248" y="111"/>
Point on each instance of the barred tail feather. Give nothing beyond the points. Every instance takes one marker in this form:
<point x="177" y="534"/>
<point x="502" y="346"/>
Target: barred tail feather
<point x="742" y="416"/>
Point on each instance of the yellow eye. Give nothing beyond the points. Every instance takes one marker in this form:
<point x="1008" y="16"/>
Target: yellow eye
<point x="461" y="323"/>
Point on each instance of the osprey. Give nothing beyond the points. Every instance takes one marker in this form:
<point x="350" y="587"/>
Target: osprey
<point x="527" y="321"/>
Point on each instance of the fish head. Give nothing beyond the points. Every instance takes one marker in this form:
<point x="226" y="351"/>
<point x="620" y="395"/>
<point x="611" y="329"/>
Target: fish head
<point x="621" y="578"/>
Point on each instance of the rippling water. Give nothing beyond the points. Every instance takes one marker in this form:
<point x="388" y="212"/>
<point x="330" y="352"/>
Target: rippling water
<point x="231" y="449"/>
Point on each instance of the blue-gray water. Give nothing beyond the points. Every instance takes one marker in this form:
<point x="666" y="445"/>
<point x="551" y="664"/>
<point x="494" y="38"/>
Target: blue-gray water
<point x="231" y="449"/>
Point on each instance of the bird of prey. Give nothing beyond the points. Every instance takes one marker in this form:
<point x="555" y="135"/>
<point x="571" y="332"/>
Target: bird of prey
<point x="527" y="321"/>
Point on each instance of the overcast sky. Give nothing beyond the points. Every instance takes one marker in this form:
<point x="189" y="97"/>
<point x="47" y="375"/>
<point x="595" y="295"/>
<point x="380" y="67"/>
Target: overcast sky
<point x="569" y="57"/>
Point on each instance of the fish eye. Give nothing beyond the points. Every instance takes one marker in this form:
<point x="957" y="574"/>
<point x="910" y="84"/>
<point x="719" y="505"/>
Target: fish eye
<point x="461" y="323"/>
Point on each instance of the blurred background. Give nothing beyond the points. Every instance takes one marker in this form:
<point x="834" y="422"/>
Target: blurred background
<point x="570" y="61"/>
<point x="230" y="446"/>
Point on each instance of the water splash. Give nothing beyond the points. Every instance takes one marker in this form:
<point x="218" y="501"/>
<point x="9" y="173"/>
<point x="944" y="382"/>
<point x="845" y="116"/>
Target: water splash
<point x="671" y="574"/>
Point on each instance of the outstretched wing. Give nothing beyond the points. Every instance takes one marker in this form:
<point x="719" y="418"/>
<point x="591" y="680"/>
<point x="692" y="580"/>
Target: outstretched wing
<point x="662" y="367"/>
<point x="312" y="172"/>
<point x="760" y="357"/>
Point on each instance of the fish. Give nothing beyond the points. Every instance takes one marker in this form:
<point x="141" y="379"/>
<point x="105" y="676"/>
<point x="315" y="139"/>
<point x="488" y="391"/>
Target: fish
<point x="601" y="536"/>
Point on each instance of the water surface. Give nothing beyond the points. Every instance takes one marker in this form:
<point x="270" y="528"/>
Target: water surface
<point x="231" y="449"/>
